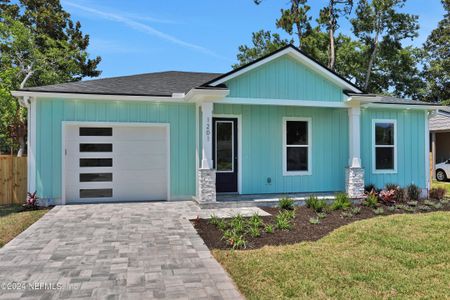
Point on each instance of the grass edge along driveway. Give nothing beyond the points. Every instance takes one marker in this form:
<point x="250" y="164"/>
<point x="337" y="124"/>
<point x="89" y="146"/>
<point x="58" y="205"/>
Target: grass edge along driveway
<point x="399" y="256"/>
<point x="13" y="221"/>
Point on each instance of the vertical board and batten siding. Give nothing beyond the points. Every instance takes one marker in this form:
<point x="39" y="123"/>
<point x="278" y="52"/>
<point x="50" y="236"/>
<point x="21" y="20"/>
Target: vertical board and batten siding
<point x="410" y="147"/>
<point x="51" y="113"/>
<point x="262" y="148"/>
<point x="284" y="78"/>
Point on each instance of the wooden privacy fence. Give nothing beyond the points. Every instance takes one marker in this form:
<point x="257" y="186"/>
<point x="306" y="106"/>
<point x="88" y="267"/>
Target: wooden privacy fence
<point x="13" y="179"/>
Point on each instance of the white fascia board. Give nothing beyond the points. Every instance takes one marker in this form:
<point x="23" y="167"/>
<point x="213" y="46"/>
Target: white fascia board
<point x="362" y="99"/>
<point x="300" y="57"/>
<point x="282" y="102"/>
<point x="199" y="95"/>
<point x="400" y="106"/>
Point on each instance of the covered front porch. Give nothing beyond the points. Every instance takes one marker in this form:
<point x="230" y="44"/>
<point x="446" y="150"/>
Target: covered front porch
<point x="331" y="152"/>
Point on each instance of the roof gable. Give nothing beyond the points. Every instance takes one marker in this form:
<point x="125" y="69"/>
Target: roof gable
<point x="300" y="57"/>
<point x="284" y="78"/>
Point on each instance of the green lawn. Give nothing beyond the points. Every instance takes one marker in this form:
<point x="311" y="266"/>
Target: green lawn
<point x="13" y="221"/>
<point x="398" y="256"/>
<point x="445" y="185"/>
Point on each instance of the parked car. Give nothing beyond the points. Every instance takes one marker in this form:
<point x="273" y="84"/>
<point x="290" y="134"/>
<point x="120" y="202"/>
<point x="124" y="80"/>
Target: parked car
<point x="443" y="170"/>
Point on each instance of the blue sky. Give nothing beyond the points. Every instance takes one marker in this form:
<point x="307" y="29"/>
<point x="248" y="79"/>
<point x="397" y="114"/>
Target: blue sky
<point x="140" y="36"/>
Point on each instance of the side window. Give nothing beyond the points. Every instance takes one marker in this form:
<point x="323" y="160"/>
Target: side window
<point x="384" y="148"/>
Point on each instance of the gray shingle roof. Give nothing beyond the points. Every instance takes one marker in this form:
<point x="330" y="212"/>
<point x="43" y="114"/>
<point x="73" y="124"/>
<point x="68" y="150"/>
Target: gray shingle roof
<point x="149" y="84"/>
<point x="394" y="100"/>
<point x="440" y="121"/>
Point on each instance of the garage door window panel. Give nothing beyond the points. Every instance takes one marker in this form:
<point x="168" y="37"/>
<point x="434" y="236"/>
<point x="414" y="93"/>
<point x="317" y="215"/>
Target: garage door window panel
<point x="96" y="162"/>
<point x="96" y="193"/>
<point x="96" y="177"/>
<point x="96" y="131"/>
<point x="88" y="147"/>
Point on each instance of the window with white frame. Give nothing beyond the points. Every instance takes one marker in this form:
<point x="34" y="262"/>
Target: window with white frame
<point x="297" y="146"/>
<point x="384" y="145"/>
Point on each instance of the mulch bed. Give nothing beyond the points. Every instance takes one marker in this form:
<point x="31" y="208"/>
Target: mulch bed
<point x="302" y="230"/>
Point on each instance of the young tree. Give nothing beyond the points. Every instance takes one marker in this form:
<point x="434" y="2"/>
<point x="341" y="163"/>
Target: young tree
<point x="328" y="18"/>
<point x="379" y="24"/>
<point x="437" y="61"/>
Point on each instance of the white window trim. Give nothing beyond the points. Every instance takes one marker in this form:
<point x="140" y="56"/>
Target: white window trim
<point x="232" y="145"/>
<point x="297" y="173"/>
<point x="374" y="165"/>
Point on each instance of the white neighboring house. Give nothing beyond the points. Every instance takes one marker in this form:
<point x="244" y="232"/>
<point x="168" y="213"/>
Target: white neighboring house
<point x="439" y="126"/>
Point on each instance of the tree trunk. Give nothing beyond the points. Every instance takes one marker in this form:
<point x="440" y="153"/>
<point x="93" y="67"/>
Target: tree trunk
<point x="331" y="24"/>
<point x="371" y="61"/>
<point x="21" y="140"/>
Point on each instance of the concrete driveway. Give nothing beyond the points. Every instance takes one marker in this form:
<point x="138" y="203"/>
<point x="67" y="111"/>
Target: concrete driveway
<point x="114" y="251"/>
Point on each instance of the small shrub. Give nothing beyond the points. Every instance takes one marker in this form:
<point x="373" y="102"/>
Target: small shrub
<point x="286" y="203"/>
<point x="234" y="239"/>
<point x="222" y="225"/>
<point x="314" y="220"/>
<point x="438" y="205"/>
<point x="371" y="201"/>
<point x="406" y="208"/>
<point x="388" y="196"/>
<point x="370" y="188"/>
<point x="391" y="208"/>
<point x="318" y="205"/>
<point x="378" y="211"/>
<point x="32" y="202"/>
<point x="391" y="186"/>
<point x="269" y="228"/>
<point x="400" y="195"/>
<point x="254" y="231"/>
<point x="346" y="214"/>
<point x="237" y="223"/>
<point x="444" y="201"/>
<point x="355" y="210"/>
<point x="428" y="203"/>
<point x="341" y="202"/>
<point x="412" y="203"/>
<point x="213" y="220"/>
<point x="321" y="215"/>
<point x="283" y="220"/>
<point x="437" y="193"/>
<point x="413" y="192"/>
<point x="255" y="220"/>
<point x="424" y="207"/>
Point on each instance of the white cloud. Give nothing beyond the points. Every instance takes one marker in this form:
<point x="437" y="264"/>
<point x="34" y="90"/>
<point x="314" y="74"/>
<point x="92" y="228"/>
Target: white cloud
<point x="132" y="23"/>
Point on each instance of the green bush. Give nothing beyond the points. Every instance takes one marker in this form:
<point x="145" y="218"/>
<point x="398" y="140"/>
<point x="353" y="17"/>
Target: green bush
<point x="255" y="220"/>
<point x="321" y="215"/>
<point x="318" y="205"/>
<point x="254" y="231"/>
<point x="314" y="220"/>
<point x="369" y="188"/>
<point x="341" y="202"/>
<point x="378" y="211"/>
<point x="237" y="224"/>
<point x="283" y="219"/>
<point x="234" y="239"/>
<point x="371" y="201"/>
<point x="437" y="193"/>
<point x="286" y="203"/>
<point x="213" y="220"/>
<point x="391" y="186"/>
<point x="413" y="192"/>
<point x="269" y="228"/>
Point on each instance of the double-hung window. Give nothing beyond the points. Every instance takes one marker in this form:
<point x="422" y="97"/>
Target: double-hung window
<point x="384" y="146"/>
<point x="296" y="146"/>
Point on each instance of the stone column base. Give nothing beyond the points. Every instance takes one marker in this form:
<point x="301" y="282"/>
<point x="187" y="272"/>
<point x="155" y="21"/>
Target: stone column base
<point x="206" y="186"/>
<point x="354" y="182"/>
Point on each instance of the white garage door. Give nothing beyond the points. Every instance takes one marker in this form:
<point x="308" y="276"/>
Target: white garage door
<point x="116" y="163"/>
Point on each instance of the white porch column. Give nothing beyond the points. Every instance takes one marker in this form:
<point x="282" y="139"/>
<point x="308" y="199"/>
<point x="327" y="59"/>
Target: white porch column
<point x="354" y="174"/>
<point x="206" y="174"/>
<point x="354" y="117"/>
<point x="207" y="109"/>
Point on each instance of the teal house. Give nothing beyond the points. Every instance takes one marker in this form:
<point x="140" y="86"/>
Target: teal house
<point x="283" y="124"/>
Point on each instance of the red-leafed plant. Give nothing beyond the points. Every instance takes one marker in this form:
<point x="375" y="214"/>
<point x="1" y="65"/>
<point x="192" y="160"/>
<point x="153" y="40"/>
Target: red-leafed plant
<point x="32" y="201"/>
<point x="388" y="196"/>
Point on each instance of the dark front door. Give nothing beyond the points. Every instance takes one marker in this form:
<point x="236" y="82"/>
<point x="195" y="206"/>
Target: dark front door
<point x="225" y="154"/>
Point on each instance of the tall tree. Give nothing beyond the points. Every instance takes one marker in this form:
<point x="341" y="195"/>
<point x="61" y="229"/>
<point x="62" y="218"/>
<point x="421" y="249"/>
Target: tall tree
<point x="328" y="18"/>
<point x="295" y="20"/>
<point x="437" y="60"/>
<point x="263" y="42"/>
<point x="39" y="45"/>
<point x="378" y="23"/>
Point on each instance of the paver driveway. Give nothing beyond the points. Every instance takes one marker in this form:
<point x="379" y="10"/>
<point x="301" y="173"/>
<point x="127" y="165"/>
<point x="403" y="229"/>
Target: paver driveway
<point x="126" y="251"/>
